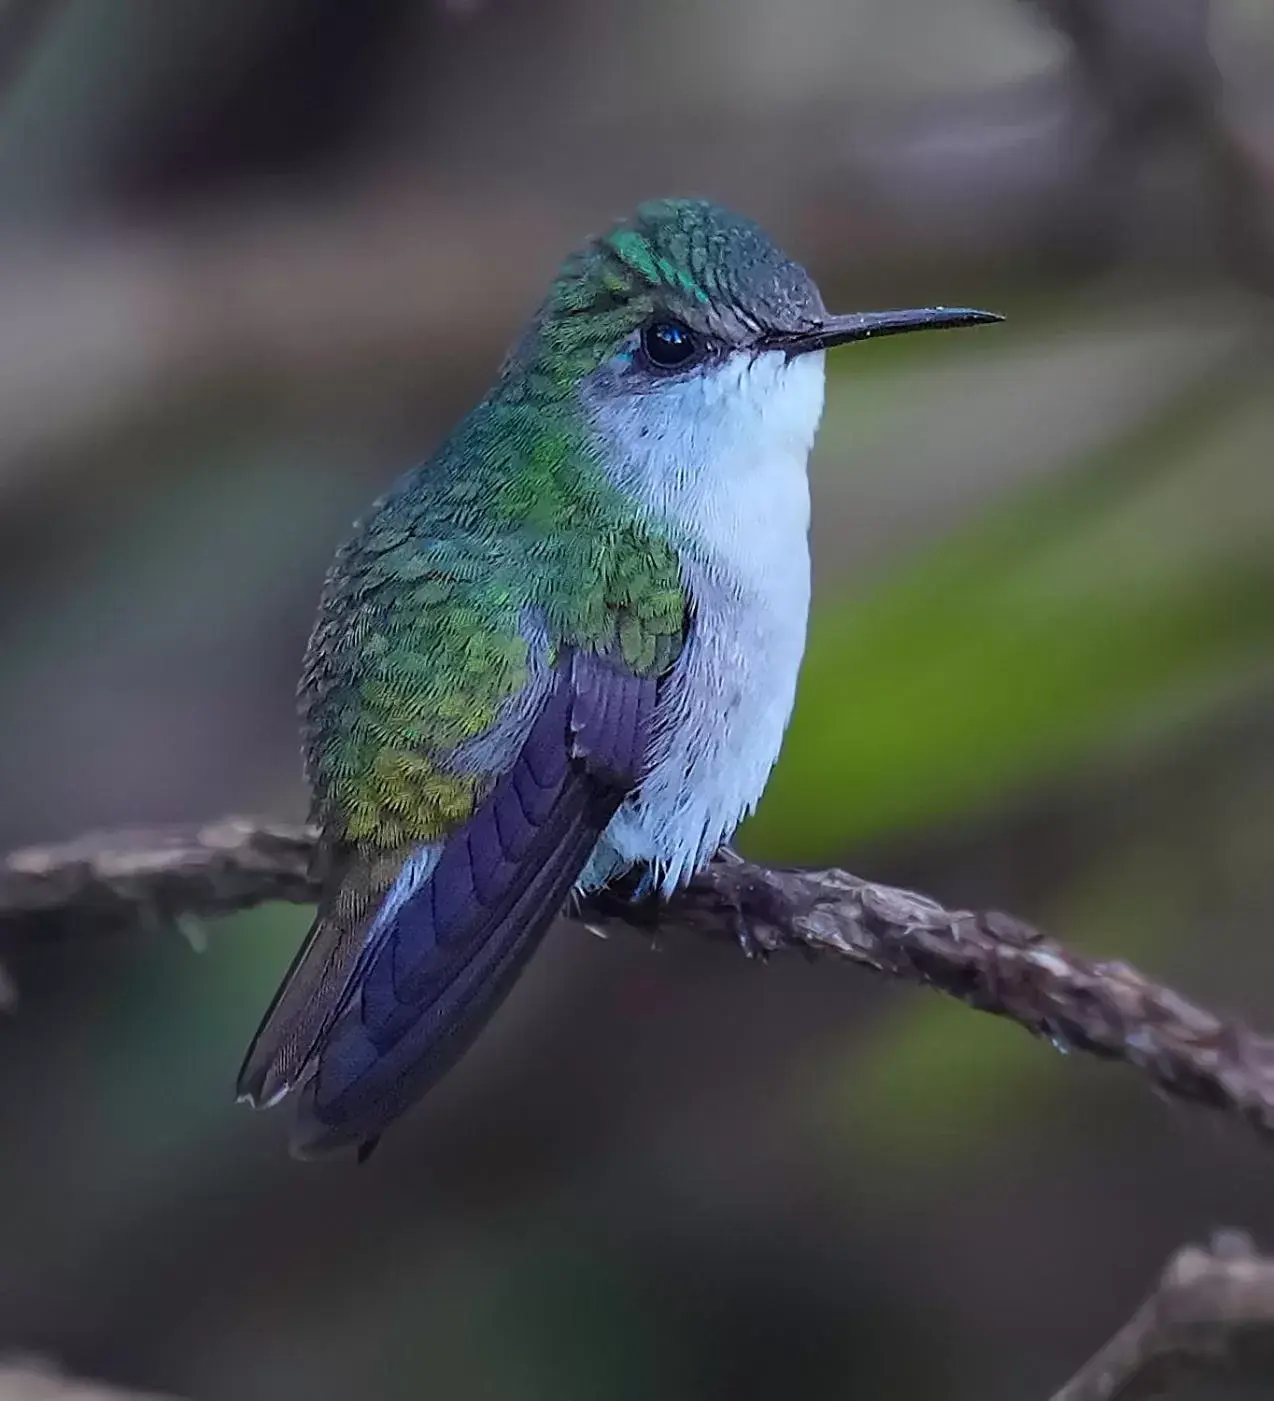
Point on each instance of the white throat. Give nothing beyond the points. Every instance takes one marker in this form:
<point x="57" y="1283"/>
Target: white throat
<point x="719" y="458"/>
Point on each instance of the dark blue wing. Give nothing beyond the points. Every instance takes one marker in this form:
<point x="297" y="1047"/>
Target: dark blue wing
<point x="453" y="948"/>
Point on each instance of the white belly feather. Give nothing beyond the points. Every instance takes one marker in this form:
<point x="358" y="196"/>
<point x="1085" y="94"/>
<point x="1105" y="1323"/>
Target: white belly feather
<point x="720" y="461"/>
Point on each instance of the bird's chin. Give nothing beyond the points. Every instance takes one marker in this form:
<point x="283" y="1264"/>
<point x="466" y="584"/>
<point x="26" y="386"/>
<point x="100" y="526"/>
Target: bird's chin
<point x="744" y="425"/>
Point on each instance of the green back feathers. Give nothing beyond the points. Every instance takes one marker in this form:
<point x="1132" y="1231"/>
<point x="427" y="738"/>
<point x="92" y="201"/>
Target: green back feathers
<point x="511" y="537"/>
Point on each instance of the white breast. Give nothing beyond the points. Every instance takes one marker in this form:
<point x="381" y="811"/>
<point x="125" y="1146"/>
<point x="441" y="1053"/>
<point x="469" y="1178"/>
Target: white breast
<point x="720" y="462"/>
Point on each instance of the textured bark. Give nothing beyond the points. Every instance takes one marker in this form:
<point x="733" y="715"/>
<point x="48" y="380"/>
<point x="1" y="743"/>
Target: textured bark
<point x="1212" y="1311"/>
<point x="174" y="876"/>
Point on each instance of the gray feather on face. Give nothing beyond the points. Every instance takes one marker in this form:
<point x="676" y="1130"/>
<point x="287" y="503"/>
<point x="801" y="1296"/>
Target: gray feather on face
<point x="736" y="273"/>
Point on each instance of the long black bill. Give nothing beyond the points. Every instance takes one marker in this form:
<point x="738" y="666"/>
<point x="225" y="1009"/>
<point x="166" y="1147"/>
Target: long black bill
<point x="866" y="325"/>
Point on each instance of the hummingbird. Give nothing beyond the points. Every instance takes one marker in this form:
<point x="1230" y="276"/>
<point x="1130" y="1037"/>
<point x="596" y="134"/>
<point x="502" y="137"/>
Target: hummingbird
<point x="561" y="651"/>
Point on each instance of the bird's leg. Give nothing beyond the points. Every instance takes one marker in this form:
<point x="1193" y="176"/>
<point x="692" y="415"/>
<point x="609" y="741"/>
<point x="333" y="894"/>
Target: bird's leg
<point x="744" y="933"/>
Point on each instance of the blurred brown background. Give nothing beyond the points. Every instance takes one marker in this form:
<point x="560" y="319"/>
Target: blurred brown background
<point x="255" y="257"/>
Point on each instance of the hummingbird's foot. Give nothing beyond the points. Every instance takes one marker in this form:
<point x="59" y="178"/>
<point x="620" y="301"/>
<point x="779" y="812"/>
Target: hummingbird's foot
<point x="745" y="933"/>
<point x="743" y="925"/>
<point x="644" y="910"/>
<point x="747" y="937"/>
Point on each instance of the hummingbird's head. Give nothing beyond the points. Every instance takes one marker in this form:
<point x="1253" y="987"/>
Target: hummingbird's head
<point x="694" y="347"/>
<point x="683" y="286"/>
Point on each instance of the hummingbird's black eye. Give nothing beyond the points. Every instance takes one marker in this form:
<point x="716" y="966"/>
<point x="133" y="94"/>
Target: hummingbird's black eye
<point x="668" y="345"/>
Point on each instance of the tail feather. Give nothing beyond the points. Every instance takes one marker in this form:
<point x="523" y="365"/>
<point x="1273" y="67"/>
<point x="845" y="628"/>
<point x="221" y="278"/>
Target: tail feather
<point x="320" y="979"/>
<point x="431" y="987"/>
